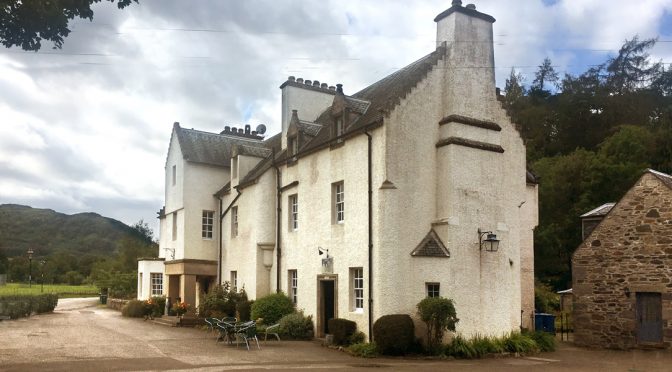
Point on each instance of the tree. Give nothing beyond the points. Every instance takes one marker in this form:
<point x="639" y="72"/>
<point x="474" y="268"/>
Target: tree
<point x="144" y="231"/>
<point x="27" y="23"/>
<point x="545" y="74"/>
<point x="631" y="69"/>
<point x="513" y="89"/>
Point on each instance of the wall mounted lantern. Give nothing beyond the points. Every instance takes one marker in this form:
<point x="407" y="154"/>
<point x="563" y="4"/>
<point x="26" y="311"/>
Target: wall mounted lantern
<point x="328" y="262"/>
<point x="172" y="252"/>
<point x="491" y="243"/>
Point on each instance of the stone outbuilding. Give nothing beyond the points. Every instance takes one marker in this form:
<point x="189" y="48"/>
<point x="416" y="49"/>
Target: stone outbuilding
<point x="622" y="272"/>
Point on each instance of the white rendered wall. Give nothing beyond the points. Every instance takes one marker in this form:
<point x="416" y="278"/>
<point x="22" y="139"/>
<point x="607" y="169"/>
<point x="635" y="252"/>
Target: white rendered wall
<point x="309" y="104"/>
<point x="174" y="203"/>
<point x="146" y="267"/>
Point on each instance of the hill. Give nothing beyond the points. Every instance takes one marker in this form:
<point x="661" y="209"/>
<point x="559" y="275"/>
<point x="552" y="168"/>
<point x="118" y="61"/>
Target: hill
<point x="47" y="232"/>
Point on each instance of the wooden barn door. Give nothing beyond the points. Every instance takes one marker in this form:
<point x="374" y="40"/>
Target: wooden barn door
<point x="649" y="317"/>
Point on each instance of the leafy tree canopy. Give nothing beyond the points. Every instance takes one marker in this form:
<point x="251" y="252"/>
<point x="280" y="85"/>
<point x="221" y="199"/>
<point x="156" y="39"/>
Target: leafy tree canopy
<point x="26" y="23"/>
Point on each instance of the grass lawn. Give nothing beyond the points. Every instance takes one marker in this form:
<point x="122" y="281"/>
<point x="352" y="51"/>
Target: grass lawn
<point x="63" y="290"/>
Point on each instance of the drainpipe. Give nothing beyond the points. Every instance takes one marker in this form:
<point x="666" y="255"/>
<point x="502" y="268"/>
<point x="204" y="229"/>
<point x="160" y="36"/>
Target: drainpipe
<point x="221" y="219"/>
<point x="370" y="202"/>
<point x="278" y="250"/>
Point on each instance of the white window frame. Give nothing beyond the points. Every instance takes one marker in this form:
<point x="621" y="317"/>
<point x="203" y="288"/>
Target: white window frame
<point x="156" y="284"/>
<point x="207" y="224"/>
<point x="339" y="202"/>
<point x="293" y="290"/>
<point x="234" y="280"/>
<point x="234" y="222"/>
<point x="433" y="289"/>
<point x="357" y="293"/>
<point x="293" y="207"/>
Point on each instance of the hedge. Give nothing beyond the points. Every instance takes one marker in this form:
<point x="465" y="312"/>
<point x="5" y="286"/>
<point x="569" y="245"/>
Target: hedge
<point x="18" y="306"/>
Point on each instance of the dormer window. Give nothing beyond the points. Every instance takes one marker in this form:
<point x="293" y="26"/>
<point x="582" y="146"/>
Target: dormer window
<point x="338" y="129"/>
<point x="293" y="145"/>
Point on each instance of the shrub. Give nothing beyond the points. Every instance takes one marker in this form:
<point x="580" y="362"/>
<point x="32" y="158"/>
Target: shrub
<point x="439" y="315"/>
<point x="363" y="350"/>
<point x="356" y="338"/>
<point x="221" y="301"/>
<point x="545" y="341"/>
<point x="134" y="309"/>
<point x="516" y="342"/>
<point x="545" y="298"/>
<point x="461" y="348"/>
<point x="159" y="306"/>
<point x="18" y="306"/>
<point x="342" y="330"/>
<point x="243" y="310"/>
<point x="296" y="326"/>
<point x="272" y="308"/>
<point x="394" y="334"/>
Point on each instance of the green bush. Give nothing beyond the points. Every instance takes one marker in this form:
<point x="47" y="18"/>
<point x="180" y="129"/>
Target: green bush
<point x="159" y="306"/>
<point x="394" y="334"/>
<point x="243" y="310"/>
<point x="134" y="309"/>
<point x="439" y="315"/>
<point x="296" y="326"/>
<point x="17" y="306"/>
<point x="363" y="350"/>
<point x="460" y="347"/>
<point x="545" y="341"/>
<point x="221" y="301"/>
<point x="545" y="298"/>
<point x="272" y="308"/>
<point x="357" y="338"/>
<point x="516" y="342"/>
<point x="342" y="330"/>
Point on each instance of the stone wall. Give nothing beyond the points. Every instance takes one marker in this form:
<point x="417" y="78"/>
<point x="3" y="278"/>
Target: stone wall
<point x="629" y="252"/>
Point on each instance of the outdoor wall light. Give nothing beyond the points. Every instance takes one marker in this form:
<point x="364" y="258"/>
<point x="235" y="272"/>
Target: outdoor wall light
<point x="491" y="243"/>
<point x="322" y="251"/>
<point x="172" y="252"/>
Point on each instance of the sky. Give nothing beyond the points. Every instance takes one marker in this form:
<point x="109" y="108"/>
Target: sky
<point x="86" y="128"/>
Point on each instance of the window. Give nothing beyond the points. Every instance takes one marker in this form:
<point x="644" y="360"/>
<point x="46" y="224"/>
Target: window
<point x="293" y="145"/>
<point x="139" y="285"/>
<point x="234" y="222"/>
<point x="157" y="283"/>
<point x="432" y="289"/>
<point x="174" y="175"/>
<point x="357" y="283"/>
<point x="175" y="225"/>
<point x="338" y="129"/>
<point x="234" y="280"/>
<point x="338" y="196"/>
<point x="234" y="167"/>
<point x="293" y="285"/>
<point x="207" y="224"/>
<point x="293" y="212"/>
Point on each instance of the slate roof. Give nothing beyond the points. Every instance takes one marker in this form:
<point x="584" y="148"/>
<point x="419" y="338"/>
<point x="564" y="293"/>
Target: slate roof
<point x="309" y="128"/>
<point x="602" y="210"/>
<point x="431" y="246"/>
<point x="212" y="148"/>
<point x="663" y="177"/>
<point x="378" y="98"/>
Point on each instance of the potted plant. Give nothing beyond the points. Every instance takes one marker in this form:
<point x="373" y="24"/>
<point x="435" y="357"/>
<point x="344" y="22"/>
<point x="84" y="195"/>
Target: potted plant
<point x="180" y="308"/>
<point x="148" y="308"/>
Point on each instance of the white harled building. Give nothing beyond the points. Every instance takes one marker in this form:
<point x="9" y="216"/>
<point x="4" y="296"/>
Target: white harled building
<point x="366" y="203"/>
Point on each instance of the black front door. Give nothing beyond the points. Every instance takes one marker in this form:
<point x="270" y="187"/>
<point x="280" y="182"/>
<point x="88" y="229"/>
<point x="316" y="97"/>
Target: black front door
<point x="649" y="317"/>
<point x="327" y="304"/>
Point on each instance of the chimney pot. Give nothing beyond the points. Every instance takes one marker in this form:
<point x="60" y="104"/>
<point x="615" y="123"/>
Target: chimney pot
<point x="291" y="78"/>
<point x="247" y="128"/>
<point x="316" y="83"/>
<point x="332" y="88"/>
<point x="241" y="130"/>
<point x="471" y="6"/>
<point x="254" y="132"/>
<point x="299" y="80"/>
<point x="339" y="88"/>
<point x="227" y="129"/>
<point x="457" y="2"/>
<point x="324" y="86"/>
<point x="308" y="82"/>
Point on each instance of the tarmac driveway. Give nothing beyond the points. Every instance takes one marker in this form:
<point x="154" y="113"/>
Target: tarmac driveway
<point x="81" y="336"/>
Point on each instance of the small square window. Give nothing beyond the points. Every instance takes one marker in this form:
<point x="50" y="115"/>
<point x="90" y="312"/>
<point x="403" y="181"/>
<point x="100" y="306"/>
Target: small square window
<point x="433" y="289"/>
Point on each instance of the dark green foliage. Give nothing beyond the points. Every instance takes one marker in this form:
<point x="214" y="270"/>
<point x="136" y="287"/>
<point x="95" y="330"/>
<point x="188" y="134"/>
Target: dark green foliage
<point x="157" y="308"/>
<point x="17" y="306"/>
<point x="545" y="299"/>
<point x="519" y="343"/>
<point x="440" y="316"/>
<point x="481" y="346"/>
<point x="134" y="309"/>
<point x="296" y="326"/>
<point x="394" y="334"/>
<point x="272" y="308"/>
<point x="461" y="348"/>
<point x="27" y="23"/>
<point x="243" y="310"/>
<point x="342" y="330"/>
<point x="363" y="350"/>
<point x="356" y="338"/>
<point x="221" y="301"/>
<point x="545" y="341"/>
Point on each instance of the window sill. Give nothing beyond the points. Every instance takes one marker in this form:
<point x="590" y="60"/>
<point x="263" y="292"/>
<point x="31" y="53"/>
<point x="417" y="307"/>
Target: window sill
<point x="358" y="311"/>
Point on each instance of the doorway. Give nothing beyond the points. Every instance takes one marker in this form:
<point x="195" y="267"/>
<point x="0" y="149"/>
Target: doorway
<point x="327" y="304"/>
<point x="649" y="318"/>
